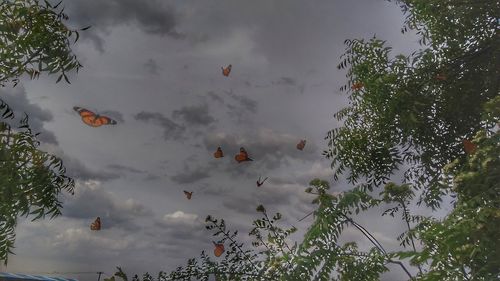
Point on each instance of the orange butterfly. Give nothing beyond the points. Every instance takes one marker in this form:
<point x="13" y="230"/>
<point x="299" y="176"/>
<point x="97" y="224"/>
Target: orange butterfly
<point x="92" y="119"/>
<point x="218" y="153"/>
<point x="188" y="194"/>
<point x="469" y="147"/>
<point x="242" y="156"/>
<point x="96" y="225"/>
<point x="357" y="86"/>
<point x="219" y="249"/>
<point x="301" y="144"/>
<point x="259" y="183"/>
<point x="227" y="70"/>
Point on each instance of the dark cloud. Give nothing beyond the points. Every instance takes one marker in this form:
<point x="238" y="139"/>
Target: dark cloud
<point x="270" y="148"/>
<point x="244" y="102"/>
<point x="194" y="115"/>
<point x="17" y="99"/>
<point x="91" y="201"/>
<point x="152" y="67"/>
<point x="151" y="16"/>
<point x="122" y="168"/>
<point x="285" y="81"/>
<point x="188" y="176"/>
<point x="171" y="130"/>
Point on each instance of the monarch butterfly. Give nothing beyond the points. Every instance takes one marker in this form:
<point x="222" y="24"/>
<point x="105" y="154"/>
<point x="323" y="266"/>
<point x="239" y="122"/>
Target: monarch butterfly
<point x="92" y="119"/>
<point x="219" y="249"/>
<point x="357" y="86"/>
<point x="301" y="144"/>
<point x="259" y="183"/>
<point x="242" y="156"/>
<point x="227" y="70"/>
<point x="469" y="147"/>
<point x="96" y="225"/>
<point x="218" y="153"/>
<point x="188" y="194"/>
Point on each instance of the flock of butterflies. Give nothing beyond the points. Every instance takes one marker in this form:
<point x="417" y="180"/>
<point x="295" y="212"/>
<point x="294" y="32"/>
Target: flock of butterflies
<point x="95" y="120"/>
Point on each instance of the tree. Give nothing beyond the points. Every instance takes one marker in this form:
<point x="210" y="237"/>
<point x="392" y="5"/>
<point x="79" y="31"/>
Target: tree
<point x="33" y="39"/>
<point x="410" y="113"/>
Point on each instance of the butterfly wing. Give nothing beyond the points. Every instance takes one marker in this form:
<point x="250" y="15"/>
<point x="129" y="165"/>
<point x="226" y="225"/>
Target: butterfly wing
<point x="469" y="147"/>
<point x="219" y="250"/>
<point x="96" y="225"/>
<point x="104" y="120"/>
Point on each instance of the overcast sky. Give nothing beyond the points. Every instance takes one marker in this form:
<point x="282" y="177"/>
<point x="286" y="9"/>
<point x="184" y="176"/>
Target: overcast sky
<point x="155" y="67"/>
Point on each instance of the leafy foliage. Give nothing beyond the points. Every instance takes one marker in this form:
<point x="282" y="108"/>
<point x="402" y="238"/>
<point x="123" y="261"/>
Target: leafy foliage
<point x="34" y="39"/>
<point x="30" y="181"/>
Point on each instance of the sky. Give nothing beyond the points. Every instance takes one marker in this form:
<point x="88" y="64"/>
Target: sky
<point x="155" y="67"/>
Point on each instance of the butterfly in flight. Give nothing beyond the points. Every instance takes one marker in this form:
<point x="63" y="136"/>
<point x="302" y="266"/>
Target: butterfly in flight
<point x="469" y="147"/>
<point x="242" y="156"/>
<point x="357" y="86"/>
<point x="218" y="153"/>
<point x="92" y="119"/>
<point x="259" y="182"/>
<point x="188" y="194"/>
<point x="301" y="144"/>
<point x="96" y="225"/>
<point x="219" y="249"/>
<point x="227" y="70"/>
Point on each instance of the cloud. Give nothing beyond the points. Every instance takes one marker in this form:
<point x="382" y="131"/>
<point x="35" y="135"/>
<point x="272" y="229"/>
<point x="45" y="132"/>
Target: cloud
<point x="194" y="115"/>
<point x="152" y="67"/>
<point x="151" y="16"/>
<point x="91" y="201"/>
<point x="266" y="146"/>
<point x="244" y="102"/>
<point x="123" y="168"/>
<point x="17" y="99"/>
<point x="188" y="176"/>
<point x="285" y="81"/>
<point x="171" y="130"/>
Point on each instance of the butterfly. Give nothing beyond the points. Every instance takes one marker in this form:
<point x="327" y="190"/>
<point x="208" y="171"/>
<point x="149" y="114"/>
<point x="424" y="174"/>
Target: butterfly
<point x="259" y="183"/>
<point x="227" y="70"/>
<point x="188" y="194"/>
<point x="301" y="144"/>
<point x="219" y="249"/>
<point x="242" y="156"/>
<point x="469" y="147"/>
<point x="357" y="86"/>
<point x="92" y="119"/>
<point x="96" y="225"/>
<point x="218" y="153"/>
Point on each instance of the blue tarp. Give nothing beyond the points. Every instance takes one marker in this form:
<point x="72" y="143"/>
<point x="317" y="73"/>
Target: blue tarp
<point x="4" y="276"/>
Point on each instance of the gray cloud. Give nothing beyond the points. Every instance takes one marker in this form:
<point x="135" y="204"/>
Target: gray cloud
<point x="194" y="115"/>
<point x="152" y="67"/>
<point x="151" y="16"/>
<point x="244" y="102"/>
<point x="123" y="168"/>
<point x="171" y="130"/>
<point x="266" y="146"/>
<point x="17" y="99"/>
<point x="188" y="175"/>
<point x="91" y="201"/>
